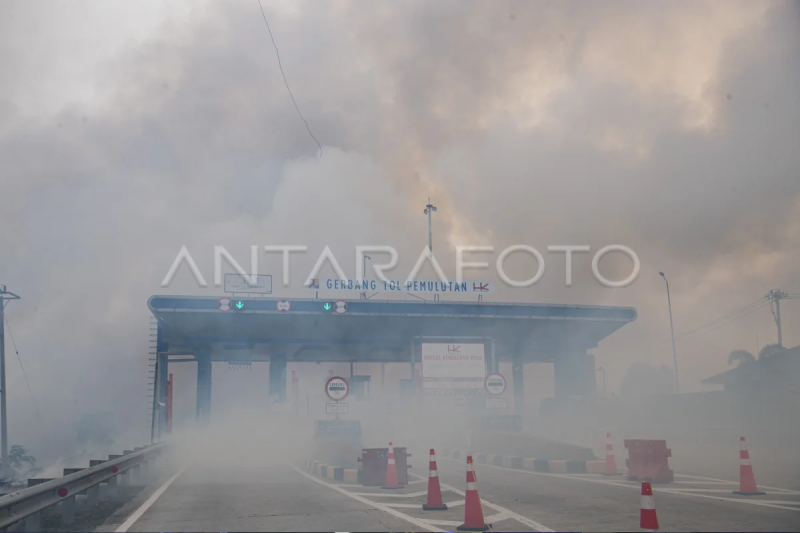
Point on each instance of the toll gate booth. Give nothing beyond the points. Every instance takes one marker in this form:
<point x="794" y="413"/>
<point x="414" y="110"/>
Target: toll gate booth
<point x="202" y="330"/>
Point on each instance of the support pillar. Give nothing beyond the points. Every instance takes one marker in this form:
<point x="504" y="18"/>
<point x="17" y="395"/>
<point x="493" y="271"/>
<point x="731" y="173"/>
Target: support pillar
<point x="162" y="372"/>
<point x="575" y="376"/>
<point x="277" y="376"/>
<point x="517" y="378"/>
<point x="203" y="386"/>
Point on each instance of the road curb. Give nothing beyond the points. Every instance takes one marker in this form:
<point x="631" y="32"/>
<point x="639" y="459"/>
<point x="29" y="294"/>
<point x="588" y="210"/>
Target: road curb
<point x="530" y="463"/>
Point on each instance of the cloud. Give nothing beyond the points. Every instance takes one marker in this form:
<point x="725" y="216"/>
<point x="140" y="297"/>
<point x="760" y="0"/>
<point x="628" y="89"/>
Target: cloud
<point x="665" y="127"/>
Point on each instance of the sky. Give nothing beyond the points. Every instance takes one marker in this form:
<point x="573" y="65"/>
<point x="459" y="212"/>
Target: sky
<point x="131" y="129"/>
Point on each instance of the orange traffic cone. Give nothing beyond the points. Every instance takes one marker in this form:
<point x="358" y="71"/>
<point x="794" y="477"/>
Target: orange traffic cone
<point x="611" y="463"/>
<point x="473" y="511"/>
<point x="747" y="481"/>
<point x="391" y="472"/>
<point x="648" y="519"/>
<point x="434" y="490"/>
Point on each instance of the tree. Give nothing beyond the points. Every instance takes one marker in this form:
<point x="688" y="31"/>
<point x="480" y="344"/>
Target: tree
<point x="770" y="350"/>
<point x="20" y="464"/>
<point x="741" y="357"/>
<point x="643" y="379"/>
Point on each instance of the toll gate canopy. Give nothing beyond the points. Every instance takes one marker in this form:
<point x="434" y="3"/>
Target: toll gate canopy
<point x="223" y="328"/>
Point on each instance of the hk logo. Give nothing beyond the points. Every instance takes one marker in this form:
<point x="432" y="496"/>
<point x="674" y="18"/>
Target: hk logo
<point x="453" y="349"/>
<point x="480" y="287"/>
<point x="313" y="283"/>
<point x="283" y="306"/>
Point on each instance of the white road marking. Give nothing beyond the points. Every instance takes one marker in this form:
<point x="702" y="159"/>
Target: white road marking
<point x="787" y="491"/>
<point x="418" y="481"/>
<point x="706" y="482"/>
<point x="146" y="505"/>
<point x="496" y="518"/>
<point x="444" y="522"/>
<point x="636" y="487"/>
<point x="454" y="504"/>
<point x="376" y="505"/>
<point x="391" y="494"/>
<point x="405" y="505"/>
<point x="511" y="514"/>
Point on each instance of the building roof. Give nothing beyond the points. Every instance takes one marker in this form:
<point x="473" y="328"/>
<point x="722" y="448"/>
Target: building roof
<point x="774" y="365"/>
<point x="378" y="330"/>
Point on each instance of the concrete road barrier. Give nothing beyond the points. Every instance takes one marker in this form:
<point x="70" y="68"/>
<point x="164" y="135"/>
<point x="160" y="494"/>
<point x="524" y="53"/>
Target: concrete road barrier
<point x="560" y="466"/>
<point x="335" y="473"/>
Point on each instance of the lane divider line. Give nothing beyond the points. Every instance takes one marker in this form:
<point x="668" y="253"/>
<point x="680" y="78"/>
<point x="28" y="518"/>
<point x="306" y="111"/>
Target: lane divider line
<point x="150" y="501"/>
<point x="376" y="505"/>
<point x="511" y="514"/>
<point x="635" y="487"/>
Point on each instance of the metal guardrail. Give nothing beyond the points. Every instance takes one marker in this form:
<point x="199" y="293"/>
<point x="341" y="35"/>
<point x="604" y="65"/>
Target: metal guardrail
<point x="26" y="503"/>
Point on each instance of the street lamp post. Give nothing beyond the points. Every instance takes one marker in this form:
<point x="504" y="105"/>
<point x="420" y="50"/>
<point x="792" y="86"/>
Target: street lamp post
<point x="4" y="295"/>
<point x="672" y="332"/>
<point x="429" y="209"/>
<point x="603" y="370"/>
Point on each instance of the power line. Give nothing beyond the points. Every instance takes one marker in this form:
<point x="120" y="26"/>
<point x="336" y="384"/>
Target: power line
<point x="723" y="317"/>
<point x="277" y="53"/>
<point x="24" y="375"/>
<point x="727" y="322"/>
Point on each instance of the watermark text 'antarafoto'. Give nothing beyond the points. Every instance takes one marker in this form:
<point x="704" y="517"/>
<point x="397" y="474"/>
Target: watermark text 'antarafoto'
<point x="221" y="253"/>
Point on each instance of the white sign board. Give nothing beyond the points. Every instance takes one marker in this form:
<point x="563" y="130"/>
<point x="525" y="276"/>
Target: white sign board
<point x="237" y="283"/>
<point x="453" y="361"/>
<point x="496" y="403"/>
<point x="337" y="388"/>
<point x="419" y="287"/>
<point x="337" y="408"/>
<point x="495" y="384"/>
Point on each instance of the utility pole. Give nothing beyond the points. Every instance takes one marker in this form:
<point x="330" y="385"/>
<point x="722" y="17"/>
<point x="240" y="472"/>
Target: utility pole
<point x="4" y="295"/>
<point x="429" y="209"/>
<point x="672" y="331"/>
<point x="776" y="295"/>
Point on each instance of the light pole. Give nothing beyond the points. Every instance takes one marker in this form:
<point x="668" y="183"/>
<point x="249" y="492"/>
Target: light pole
<point x="4" y="295"/>
<point x="603" y="370"/>
<point x="429" y="209"/>
<point x="672" y="332"/>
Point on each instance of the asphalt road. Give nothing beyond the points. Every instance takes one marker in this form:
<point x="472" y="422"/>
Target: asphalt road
<point x="283" y="498"/>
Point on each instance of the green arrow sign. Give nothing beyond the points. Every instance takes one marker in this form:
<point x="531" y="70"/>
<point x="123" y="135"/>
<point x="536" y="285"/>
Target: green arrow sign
<point x="327" y="307"/>
<point x="239" y="305"/>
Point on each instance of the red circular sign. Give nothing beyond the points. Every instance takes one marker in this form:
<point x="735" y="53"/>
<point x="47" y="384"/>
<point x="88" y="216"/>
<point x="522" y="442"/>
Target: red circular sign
<point x="495" y="384"/>
<point x="284" y="306"/>
<point x="340" y="307"/>
<point x="224" y="304"/>
<point x="337" y="388"/>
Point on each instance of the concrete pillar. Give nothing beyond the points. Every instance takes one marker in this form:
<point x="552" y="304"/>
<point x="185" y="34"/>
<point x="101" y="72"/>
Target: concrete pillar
<point x="277" y="375"/>
<point x="162" y="374"/>
<point x="575" y="375"/>
<point x="517" y="378"/>
<point x="203" y="405"/>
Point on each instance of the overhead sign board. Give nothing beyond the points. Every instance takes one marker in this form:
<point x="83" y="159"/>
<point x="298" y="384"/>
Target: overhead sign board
<point x="453" y="361"/>
<point x="418" y="287"/>
<point x="257" y="284"/>
<point x="496" y="403"/>
<point x="495" y="384"/>
<point x="337" y="388"/>
<point x="337" y="408"/>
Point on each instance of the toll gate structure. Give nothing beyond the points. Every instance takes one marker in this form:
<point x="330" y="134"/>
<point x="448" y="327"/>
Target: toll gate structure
<point x="281" y="330"/>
